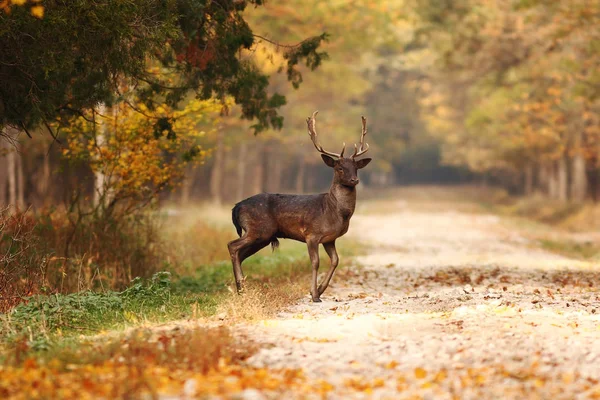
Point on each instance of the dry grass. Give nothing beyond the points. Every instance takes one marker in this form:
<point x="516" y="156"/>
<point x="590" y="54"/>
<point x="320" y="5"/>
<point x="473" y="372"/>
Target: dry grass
<point x="198" y="243"/>
<point x="57" y="252"/>
<point x="22" y="267"/>
<point x="262" y="302"/>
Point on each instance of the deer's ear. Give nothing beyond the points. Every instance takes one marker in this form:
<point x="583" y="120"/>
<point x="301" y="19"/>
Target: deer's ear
<point x="330" y="161"/>
<point x="362" y="163"/>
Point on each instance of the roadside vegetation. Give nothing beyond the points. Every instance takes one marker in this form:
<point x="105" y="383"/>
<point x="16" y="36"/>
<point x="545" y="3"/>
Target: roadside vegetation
<point x="187" y="276"/>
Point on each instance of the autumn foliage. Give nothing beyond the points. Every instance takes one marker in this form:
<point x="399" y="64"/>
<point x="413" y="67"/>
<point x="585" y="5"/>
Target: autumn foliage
<point x="514" y="90"/>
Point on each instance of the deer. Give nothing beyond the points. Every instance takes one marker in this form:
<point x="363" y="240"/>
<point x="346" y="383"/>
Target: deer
<point x="313" y="219"/>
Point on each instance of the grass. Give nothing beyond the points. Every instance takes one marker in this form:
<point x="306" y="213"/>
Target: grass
<point x="573" y="249"/>
<point x="197" y="285"/>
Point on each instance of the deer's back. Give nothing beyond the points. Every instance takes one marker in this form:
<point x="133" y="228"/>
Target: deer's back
<point x="281" y="215"/>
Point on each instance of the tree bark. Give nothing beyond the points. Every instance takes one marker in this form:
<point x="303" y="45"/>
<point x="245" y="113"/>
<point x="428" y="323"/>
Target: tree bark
<point x="311" y="182"/>
<point x="578" y="174"/>
<point x="528" y="179"/>
<point x="563" y="186"/>
<point x="3" y="173"/>
<point x="544" y="179"/>
<point x="43" y="180"/>
<point x="553" y="181"/>
<point x="273" y="177"/>
<point x="20" y="179"/>
<point x="187" y="184"/>
<point x="99" y="176"/>
<point x="300" y="175"/>
<point x="241" y="170"/>
<point x="11" y="170"/>
<point x="216" y="175"/>
<point x="259" y="169"/>
<point x="225" y="184"/>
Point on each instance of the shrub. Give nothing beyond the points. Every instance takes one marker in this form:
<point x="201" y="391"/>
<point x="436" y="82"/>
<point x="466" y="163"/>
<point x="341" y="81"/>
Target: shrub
<point x="60" y="252"/>
<point x="22" y="264"/>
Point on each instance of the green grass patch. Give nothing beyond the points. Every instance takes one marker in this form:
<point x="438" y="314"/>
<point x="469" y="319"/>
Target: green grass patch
<point x="579" y="250"/>
<point x="46" y="325"/>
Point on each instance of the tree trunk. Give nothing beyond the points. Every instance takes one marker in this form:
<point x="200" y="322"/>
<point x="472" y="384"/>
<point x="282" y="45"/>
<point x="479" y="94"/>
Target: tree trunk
<point x="578" y="174"/>
<point x="3" y="173"/>
<point x="259" y="169"/>
<point x="187" y="184"/>
<point x="274" y="169"/>
<point x="528" y="186"/>
<point x="20" y="180"/>
<point x="11" y="170"/>
<point x="43" y="180"/>
<point x="99" y="176"/>
<point x="594" y="184"/>
<point x="311" y="183"/>
<point x="241" y="170"/>
<point x="543" y="180"/>
<point x="553" y="181"/>
<point x="300" y="175"/>
<point x="563" y="186"/>
<point x="216" y="175"/>
<point x="225" y="184"/>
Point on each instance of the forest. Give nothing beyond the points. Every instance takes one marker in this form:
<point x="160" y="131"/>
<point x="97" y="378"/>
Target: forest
<point x="485" y="93"/>
<point x="129" y="129"/>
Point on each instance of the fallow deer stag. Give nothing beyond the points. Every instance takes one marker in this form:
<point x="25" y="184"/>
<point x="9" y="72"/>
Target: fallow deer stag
<point x="312" y="219"/>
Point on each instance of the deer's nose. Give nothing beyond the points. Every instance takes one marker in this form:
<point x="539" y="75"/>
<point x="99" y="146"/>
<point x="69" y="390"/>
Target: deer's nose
<point x="354" y="180"/>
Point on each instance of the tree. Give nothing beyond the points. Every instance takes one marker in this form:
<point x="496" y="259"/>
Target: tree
<point x="83" y="53"/>
<point x="513" y="86"/>
<point x="132" y="160"/>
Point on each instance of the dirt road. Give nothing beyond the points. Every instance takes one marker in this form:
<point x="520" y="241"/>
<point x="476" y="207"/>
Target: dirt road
<point x="444" y="305"/>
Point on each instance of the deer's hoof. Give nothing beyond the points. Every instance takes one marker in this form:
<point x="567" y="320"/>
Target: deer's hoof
<point x="317" y="300"/>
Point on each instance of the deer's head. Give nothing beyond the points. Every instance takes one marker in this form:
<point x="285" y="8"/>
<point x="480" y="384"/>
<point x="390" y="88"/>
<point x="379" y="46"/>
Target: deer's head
<point x="345" y="168"/>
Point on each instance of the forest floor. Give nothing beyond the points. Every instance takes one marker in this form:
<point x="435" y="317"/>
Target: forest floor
<point x="446" y="303"/>
<point x="443" y="297"/>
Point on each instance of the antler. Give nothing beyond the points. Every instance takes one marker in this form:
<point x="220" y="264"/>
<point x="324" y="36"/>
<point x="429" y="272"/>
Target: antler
<point x="362" y="150"/>
<point x="312" y="132"/>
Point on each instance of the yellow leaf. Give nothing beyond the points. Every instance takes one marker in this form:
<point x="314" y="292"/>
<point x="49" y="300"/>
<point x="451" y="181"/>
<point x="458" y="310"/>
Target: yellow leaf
<point x="538" y="383"/>
<point x="420" y="373"/>
<point x="19" y="2"/>
<point x="440" y="376"/>
<point x="37" y="11"/>
<point x="378" y="382"/>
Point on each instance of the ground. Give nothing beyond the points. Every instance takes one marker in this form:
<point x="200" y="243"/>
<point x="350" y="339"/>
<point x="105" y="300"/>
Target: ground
<point x="445" y="304"/>
<point x="444" y="298"/>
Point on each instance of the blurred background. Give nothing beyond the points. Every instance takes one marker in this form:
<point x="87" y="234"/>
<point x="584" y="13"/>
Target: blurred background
<point x="497" y="94"/>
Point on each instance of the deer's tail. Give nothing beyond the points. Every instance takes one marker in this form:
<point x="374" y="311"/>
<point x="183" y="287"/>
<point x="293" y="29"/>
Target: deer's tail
<point x="235" y="217"/>
<point x="274" y="243"/>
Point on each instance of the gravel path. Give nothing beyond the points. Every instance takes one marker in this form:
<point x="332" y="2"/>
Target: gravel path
<point x="445" y="305"/>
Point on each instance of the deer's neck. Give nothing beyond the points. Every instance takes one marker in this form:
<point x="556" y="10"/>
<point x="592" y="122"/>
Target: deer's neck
<point x="342" y="199"/>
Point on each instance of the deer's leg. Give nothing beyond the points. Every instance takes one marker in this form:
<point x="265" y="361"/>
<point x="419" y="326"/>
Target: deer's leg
<point x="332" y="253"/>
<point x="240" y="249"/>
<point x="234" y="251"/>
<point x="313" y="252"/>
<point x="253" y="248"/>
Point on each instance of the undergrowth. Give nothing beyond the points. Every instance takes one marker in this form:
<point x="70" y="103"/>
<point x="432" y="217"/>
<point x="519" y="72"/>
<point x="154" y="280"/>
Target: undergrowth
<point x="48" y="325"/>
